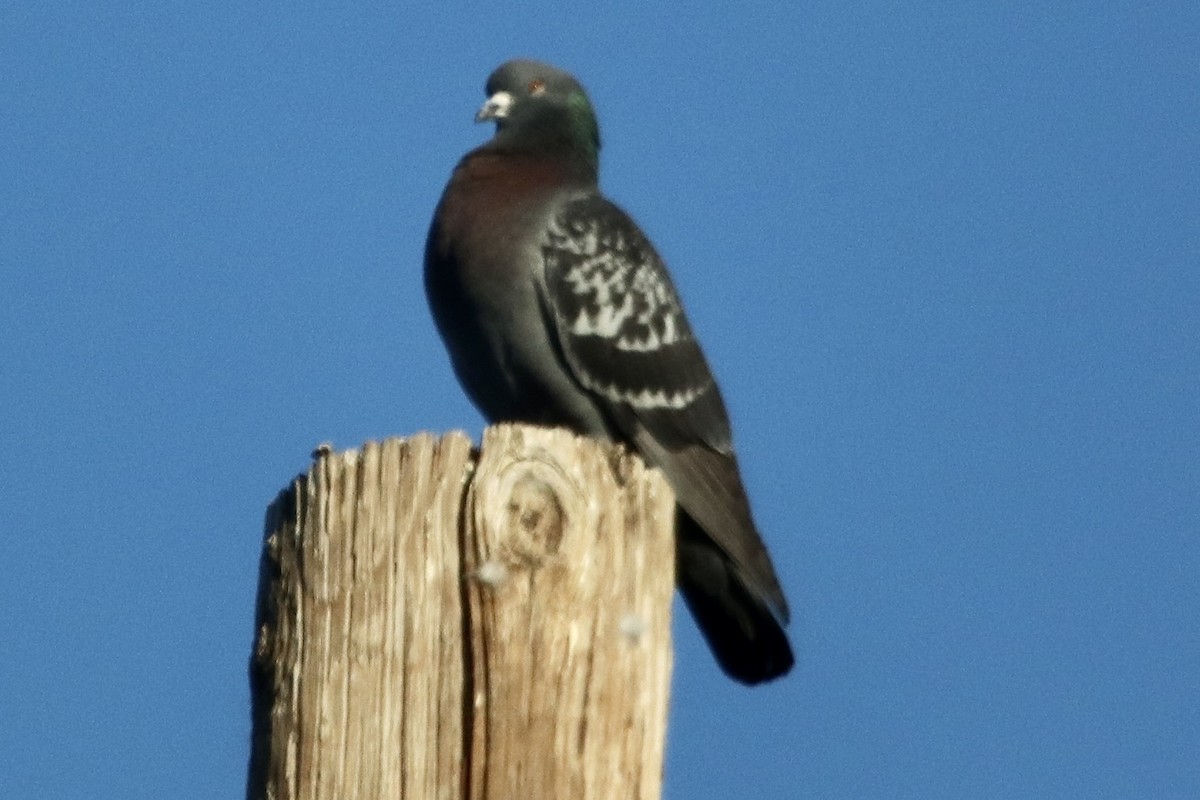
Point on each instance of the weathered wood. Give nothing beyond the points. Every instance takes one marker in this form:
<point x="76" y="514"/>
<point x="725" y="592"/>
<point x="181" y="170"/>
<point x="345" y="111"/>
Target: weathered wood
<point x="439" y="623"/>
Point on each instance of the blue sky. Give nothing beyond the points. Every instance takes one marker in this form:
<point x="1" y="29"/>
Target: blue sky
<point x="944" y="257"/>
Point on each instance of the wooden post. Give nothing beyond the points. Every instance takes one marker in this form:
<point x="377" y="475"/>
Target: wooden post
<point x="435" y="622"/>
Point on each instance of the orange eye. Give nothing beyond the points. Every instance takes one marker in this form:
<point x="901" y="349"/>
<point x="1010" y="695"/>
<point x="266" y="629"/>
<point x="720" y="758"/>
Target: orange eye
<point x="537" y="86"/>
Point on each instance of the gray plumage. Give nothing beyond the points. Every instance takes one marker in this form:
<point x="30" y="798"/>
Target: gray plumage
<point x="557" y="310"/>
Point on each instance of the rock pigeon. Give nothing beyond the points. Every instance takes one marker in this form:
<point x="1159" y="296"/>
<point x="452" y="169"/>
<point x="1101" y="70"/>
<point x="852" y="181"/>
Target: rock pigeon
<point x="556" y="310"/>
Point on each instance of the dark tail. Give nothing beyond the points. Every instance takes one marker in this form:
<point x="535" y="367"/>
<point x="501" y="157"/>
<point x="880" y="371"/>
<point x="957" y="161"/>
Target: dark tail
<point x="746" y="638"/>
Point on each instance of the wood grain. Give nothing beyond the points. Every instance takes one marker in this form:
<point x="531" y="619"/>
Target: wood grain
<point x="435" y="622"/>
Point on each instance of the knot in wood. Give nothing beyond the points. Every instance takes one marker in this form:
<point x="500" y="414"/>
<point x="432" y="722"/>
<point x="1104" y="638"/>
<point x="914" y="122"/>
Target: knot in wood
<point x="536" y="518"/>
<point x="532" y="502"/>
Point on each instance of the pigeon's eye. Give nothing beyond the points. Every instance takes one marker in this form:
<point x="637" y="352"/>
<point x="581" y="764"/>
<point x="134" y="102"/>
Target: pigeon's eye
<point x="537" y="86"/>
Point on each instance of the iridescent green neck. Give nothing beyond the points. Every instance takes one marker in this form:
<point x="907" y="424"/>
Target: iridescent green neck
<point x="585" y="129"/>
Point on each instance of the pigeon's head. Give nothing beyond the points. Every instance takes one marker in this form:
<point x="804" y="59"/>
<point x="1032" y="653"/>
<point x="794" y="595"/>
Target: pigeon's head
<point x="536" y="103"/>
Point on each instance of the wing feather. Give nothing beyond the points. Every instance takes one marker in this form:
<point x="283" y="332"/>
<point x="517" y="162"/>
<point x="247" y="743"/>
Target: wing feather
<point x="623" y="333"/>
<point x="622" y="326"/>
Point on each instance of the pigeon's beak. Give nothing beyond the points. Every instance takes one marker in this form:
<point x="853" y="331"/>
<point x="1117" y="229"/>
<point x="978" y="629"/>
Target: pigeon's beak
<point x="496" y="107"/>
